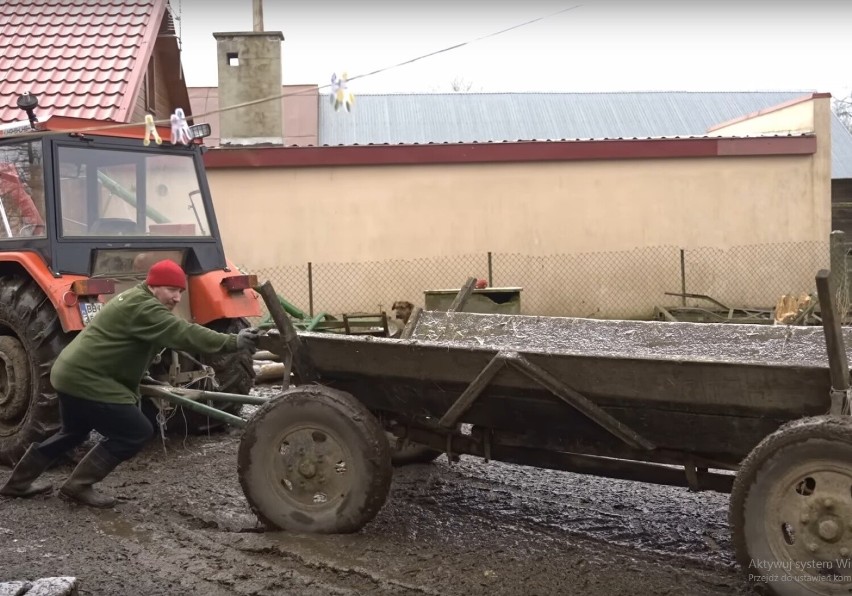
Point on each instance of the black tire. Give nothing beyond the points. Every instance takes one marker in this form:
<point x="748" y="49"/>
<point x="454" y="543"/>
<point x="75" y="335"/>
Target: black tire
<point x="314" y="459"/>
<point x="234" y="374"/>
<point x="32" y="331"/>
<point x="791" y="508"/>
<point x="235" y="370"/>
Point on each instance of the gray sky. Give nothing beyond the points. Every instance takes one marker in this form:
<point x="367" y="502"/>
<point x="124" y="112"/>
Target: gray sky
<point x="601" y="45"/>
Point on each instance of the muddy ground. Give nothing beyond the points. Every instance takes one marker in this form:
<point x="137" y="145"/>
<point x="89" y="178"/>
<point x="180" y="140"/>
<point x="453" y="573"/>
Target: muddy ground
<point x="183" y="527"/>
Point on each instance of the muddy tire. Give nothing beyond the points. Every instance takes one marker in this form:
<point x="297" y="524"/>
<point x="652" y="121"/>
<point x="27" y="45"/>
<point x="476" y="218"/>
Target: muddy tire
<point x="234" y="373"/>
<point x="791" y="508"/>
<point x="314" y="460"/>
<point x="31" y="338"/>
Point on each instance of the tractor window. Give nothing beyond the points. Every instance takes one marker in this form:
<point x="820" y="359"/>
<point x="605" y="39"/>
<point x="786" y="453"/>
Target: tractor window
<point x="21" y="191"/>
<point x="125" y="193"/>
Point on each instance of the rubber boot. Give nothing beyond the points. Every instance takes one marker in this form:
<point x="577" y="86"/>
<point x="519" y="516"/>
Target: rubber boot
<point x="94" y="467"/>
<point x="22" y="481"/>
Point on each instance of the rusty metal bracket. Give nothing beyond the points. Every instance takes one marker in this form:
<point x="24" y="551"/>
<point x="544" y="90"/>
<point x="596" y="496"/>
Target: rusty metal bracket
<point x="579" y="402"/>
<point x="691" y="475"/>
<point x="469" y="395"/>
<point x="299" y="358"/>
<point x="570" y="396"/>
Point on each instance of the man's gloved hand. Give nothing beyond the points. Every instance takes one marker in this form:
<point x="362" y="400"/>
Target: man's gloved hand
<point x="247" y="340"/>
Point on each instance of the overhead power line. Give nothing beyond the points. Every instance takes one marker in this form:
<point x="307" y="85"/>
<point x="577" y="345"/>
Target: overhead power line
<point x="281" y="96"/>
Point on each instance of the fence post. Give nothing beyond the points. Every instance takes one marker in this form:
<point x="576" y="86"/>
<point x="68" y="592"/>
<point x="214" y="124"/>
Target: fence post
<point x="839" y="272"/>
<point x="310" y="290"/>
<point x="683" y="277"/>
<point x="490" y="271"/>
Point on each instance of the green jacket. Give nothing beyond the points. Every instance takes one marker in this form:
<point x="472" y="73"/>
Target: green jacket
<point x="107" y="360"/>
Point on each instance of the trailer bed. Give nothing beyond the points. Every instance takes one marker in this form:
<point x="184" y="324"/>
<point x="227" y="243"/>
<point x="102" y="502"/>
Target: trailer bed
<point x="708" y="391"/>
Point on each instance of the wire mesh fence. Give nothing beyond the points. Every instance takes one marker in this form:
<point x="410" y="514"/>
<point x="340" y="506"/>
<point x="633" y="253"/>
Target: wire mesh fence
<point x="620" y="284"/>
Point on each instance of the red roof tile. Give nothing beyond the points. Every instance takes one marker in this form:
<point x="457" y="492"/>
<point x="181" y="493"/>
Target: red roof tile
<point x="84" y="59"/>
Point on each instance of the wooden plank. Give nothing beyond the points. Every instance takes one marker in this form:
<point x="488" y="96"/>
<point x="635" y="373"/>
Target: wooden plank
<point x="723" y="438"/>
<point x="837" y="361"/>
<point x="707" y="386"/>
<point x="411" y="324"/>
<point x="300" y="358"/>
<point x="461" y="298"/>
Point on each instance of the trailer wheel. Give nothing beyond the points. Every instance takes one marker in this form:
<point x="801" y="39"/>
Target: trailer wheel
<point x="314" y="459"/>
<point x="791" y="508"/>
<point x="32" y="339"/>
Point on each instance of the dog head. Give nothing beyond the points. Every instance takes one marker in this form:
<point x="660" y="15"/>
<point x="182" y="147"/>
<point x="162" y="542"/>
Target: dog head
<point x="403" y="310"/>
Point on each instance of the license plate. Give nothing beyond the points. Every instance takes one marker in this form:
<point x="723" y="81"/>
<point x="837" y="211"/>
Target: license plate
<point x="88" y="310"/>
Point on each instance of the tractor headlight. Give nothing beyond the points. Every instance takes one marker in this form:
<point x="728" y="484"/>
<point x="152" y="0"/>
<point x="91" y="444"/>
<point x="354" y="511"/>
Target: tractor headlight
<point x="199" y="131"/>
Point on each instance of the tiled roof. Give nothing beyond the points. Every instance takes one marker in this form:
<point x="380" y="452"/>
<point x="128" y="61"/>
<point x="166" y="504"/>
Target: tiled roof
<point x="482" y="117"/>
<point x="82" y="58"/>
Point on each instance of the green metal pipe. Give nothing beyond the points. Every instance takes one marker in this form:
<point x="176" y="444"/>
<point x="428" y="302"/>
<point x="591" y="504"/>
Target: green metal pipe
<point x="189" y="404"/>
<point x="236" y="398"/>
<point x="291" y="309"/>
<point x="316" y="321"/>
<point x="128" y="197"/>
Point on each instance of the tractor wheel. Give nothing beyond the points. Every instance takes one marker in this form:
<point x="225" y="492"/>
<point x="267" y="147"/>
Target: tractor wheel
<point x="234" y="373"/>
<point x="31" y="338"/>
<point x="314" y="460"/>
<point x="791" y="509"/>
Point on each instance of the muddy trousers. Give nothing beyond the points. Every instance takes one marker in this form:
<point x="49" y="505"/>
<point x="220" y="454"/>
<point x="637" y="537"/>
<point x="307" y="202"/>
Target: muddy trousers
<point x="125" y="427"/>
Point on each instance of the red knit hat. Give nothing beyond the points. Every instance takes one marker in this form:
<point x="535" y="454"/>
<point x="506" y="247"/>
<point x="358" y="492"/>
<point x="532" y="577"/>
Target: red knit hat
<point x="166" y="273"/>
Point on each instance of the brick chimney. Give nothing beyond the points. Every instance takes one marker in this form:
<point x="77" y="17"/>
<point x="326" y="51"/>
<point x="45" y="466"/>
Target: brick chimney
<point x="250" y="69"/>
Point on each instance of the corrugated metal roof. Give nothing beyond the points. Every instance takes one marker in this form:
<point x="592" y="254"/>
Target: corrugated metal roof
<point x="470" y="117"/>
<point x="82" y="59"/>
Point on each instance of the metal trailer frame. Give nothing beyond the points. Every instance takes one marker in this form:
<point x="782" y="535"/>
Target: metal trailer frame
<point x="778" y="451"/>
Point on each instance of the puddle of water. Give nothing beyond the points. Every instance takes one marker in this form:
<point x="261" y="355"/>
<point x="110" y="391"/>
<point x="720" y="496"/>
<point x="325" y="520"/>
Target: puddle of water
<point x="113" y="524"/>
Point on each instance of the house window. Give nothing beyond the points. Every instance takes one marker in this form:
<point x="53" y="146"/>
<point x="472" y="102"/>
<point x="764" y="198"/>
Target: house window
<point x="150" y="88"/>
<point x="233" y="59"/>
<point x="21" y="191"/>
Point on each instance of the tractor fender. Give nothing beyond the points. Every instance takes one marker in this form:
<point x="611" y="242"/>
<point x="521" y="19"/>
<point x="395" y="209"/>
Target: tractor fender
<point x="54" y="288"/>
<point x="209" y="300"/>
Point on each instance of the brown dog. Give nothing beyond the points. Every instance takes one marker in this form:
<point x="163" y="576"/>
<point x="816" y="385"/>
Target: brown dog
<point x="403" y="310"/>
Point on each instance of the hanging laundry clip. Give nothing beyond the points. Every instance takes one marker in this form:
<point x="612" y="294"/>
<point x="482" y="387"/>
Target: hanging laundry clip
<point x="340" y="94"/>
<point x="180" y="129"/>
<point x="151" y="129"/>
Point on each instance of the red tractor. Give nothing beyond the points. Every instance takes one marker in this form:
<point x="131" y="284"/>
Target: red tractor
<point x="85" y="208"/>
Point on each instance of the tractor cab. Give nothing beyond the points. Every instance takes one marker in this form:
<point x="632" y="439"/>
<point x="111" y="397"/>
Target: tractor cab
<point x="86" y="207"/>
<point x="103" y="202"/>
<point x="72" y="189"/>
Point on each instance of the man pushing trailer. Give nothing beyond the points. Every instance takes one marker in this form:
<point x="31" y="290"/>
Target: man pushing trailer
<point x="97" y="379"/>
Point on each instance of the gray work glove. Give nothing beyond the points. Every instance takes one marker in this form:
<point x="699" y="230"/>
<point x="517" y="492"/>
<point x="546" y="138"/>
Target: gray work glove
<point x="247" y="340"/>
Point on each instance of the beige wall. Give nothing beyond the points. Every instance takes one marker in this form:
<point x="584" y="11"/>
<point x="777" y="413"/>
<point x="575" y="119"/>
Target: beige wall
<point x="391" y="212"/>
<point x="627" y="216"/>
<point x="808" y="116"/>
